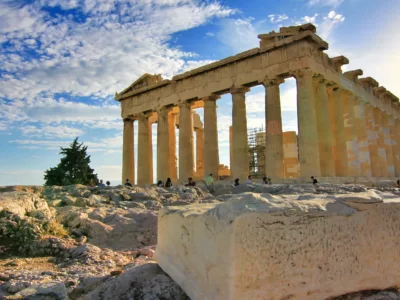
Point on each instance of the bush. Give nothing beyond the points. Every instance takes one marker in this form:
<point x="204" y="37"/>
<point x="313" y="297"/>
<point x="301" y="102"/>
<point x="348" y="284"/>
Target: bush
<point x="19" y="235"/>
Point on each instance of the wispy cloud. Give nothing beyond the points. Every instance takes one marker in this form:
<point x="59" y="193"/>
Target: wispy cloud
<point x="277" y="18"/>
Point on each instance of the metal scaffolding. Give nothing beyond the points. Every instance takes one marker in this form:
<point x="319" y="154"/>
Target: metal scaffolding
<point x="256" y="141"/>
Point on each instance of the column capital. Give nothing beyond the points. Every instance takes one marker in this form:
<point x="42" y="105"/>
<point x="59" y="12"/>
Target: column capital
<point x="185" y="104"/>
<point x="164" y="109"/>
<point x="299" y="73"/>
<point x="212" y="97"/>
<point x="128" y="119"/>
<point x="144" y="115"/>
<point x="239" y="90"/>
<point x="270" y="81"/>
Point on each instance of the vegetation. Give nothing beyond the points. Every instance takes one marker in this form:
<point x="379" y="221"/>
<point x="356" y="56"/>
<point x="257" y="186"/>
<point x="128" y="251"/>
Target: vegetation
<point x="73" y="168"/>
<point x="19" y="235"/>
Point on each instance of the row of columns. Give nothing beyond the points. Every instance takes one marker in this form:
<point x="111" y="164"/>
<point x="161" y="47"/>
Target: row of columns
<point x="338" y="135"/>
<point x="207" y="154"/>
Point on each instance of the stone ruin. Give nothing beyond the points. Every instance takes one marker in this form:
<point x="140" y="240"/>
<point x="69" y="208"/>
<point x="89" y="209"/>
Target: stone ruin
<point x="349" y="127"/>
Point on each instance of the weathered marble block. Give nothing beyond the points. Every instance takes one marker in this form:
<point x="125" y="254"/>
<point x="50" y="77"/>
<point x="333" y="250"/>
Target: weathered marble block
<point x="259" y="246"/>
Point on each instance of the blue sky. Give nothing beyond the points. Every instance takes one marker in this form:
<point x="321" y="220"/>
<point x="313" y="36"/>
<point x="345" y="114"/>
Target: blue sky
<point x="61" y="62"/>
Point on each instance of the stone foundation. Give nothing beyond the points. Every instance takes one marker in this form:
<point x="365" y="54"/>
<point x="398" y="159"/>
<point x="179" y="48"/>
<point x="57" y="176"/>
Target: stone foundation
<point x="259" y="246"/>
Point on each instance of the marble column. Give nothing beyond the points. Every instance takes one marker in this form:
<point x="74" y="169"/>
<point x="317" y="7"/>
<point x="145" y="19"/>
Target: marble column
<point x="128" y="161"/>
<point x="186" y="151"/>
<point x="362" y="139"/>
<point x="307" y="123"/>
<point x="145" y="151"/>
<point x="338" y="132"/>
<point x="211" y="158"/>
<point x="383" y="170"/>
<point x="163" y="144"/>
<point x="199" y="152"/>
<point x="273" y="164"/>
<point x="353" y="164"/>
<point x="372" y="140"/>
<point x="325" y="138"/>
<point x="173" y="168"/>
<point x="387" y="137"/>
<point x="230" y="149"/>
<point x="396" y="151"/>
<point x="240" y="147"/>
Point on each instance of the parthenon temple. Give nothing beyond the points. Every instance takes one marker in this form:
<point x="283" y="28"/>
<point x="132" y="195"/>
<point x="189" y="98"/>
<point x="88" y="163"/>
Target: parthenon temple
<point x="347" y="126"/>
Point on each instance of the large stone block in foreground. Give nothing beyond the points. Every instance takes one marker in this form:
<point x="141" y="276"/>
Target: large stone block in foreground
<point x="258" y="246"/>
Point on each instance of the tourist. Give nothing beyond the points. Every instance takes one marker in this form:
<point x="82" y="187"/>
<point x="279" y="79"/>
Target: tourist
<point x="101" y="184"/>
<point x="236" y="182"/>
<point x="314" y="180"/>
<point x="248" y="179"/>
<point x="108" y="183"/>
<point x="191" y="182"/>
<point x="127" y="183"/>
<point x="397" y="183"/>
<point x="160" y="184"/>
<point x="210" y="182"/>
<point x="168" y="183"/>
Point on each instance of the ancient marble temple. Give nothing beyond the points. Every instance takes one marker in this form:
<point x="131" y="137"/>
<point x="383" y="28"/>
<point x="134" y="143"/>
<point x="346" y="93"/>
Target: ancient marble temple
<point x="347" y="126"/>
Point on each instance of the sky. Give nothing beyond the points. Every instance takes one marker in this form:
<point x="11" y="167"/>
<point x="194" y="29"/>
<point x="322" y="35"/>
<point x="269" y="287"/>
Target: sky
<point x="61" y="62"/>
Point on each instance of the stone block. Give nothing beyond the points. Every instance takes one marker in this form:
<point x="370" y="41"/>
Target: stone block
<point x="259" y="246"/>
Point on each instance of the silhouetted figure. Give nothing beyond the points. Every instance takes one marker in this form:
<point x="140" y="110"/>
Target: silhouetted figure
<point x="248" y="179"/>
<point x="191" y="182"/>
<point x="314" y="180"/>
<point x="101" y="184"/>
<point x="127" y="183"/>
<point x="397" y="183"/>
<point x="108" y="183"/>
<point x="236" y="182"/>
<point x="160" y="184"/>
<point x="210" y="182"/>
<point x="168" y="183"/>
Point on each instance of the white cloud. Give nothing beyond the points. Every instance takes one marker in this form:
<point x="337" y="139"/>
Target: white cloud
<point x="325" y="26"/>
<point x="51" y="131"/>
<point x="98" y="55"/>
<point x="307" y="19"/>
<point x="277" y="18"/>
<point x="210" y="34"/>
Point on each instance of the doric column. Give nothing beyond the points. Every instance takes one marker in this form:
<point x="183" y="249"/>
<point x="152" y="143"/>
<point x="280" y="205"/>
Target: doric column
<point x="339" y="136"/>
<point x="387" y="136"/>
<point x="230" y="149"/>
<point x="173" y="168"/>
<point x="240" y="148"/>
<point x="307" y="124"/>
<point x="186" y="155"/>
<point x="128" y="161"/>
<point x="396" y="146"/>
<point x="163" y="145"/>
<point x="372" y="140"/>
<point x="324" y="129"/>
<point x="211" y="158"/>
<point x="145" y="151"/>
<point x="274" y="166"/>
<point x="199" y="152"/>
<point x="353" y="164"/>
<point x="362" y="139"/>
<point x="383" y="170"/>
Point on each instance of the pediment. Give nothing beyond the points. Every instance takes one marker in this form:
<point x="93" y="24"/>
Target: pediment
<point x="146" y="80"/>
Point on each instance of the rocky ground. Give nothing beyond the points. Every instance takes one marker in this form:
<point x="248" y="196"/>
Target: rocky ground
<point x="77" y="242"/>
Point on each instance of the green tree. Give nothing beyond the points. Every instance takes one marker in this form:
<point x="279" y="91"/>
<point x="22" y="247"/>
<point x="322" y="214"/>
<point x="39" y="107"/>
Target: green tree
<point x="73" y="168"/>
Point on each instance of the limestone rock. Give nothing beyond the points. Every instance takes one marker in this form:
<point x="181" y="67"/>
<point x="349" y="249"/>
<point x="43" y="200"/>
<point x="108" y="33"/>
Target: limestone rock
<point x="143" y="282"/>
<point x="53" y="290"/>
<point x="23" y="203"/>
<point x="247" y="247"/>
